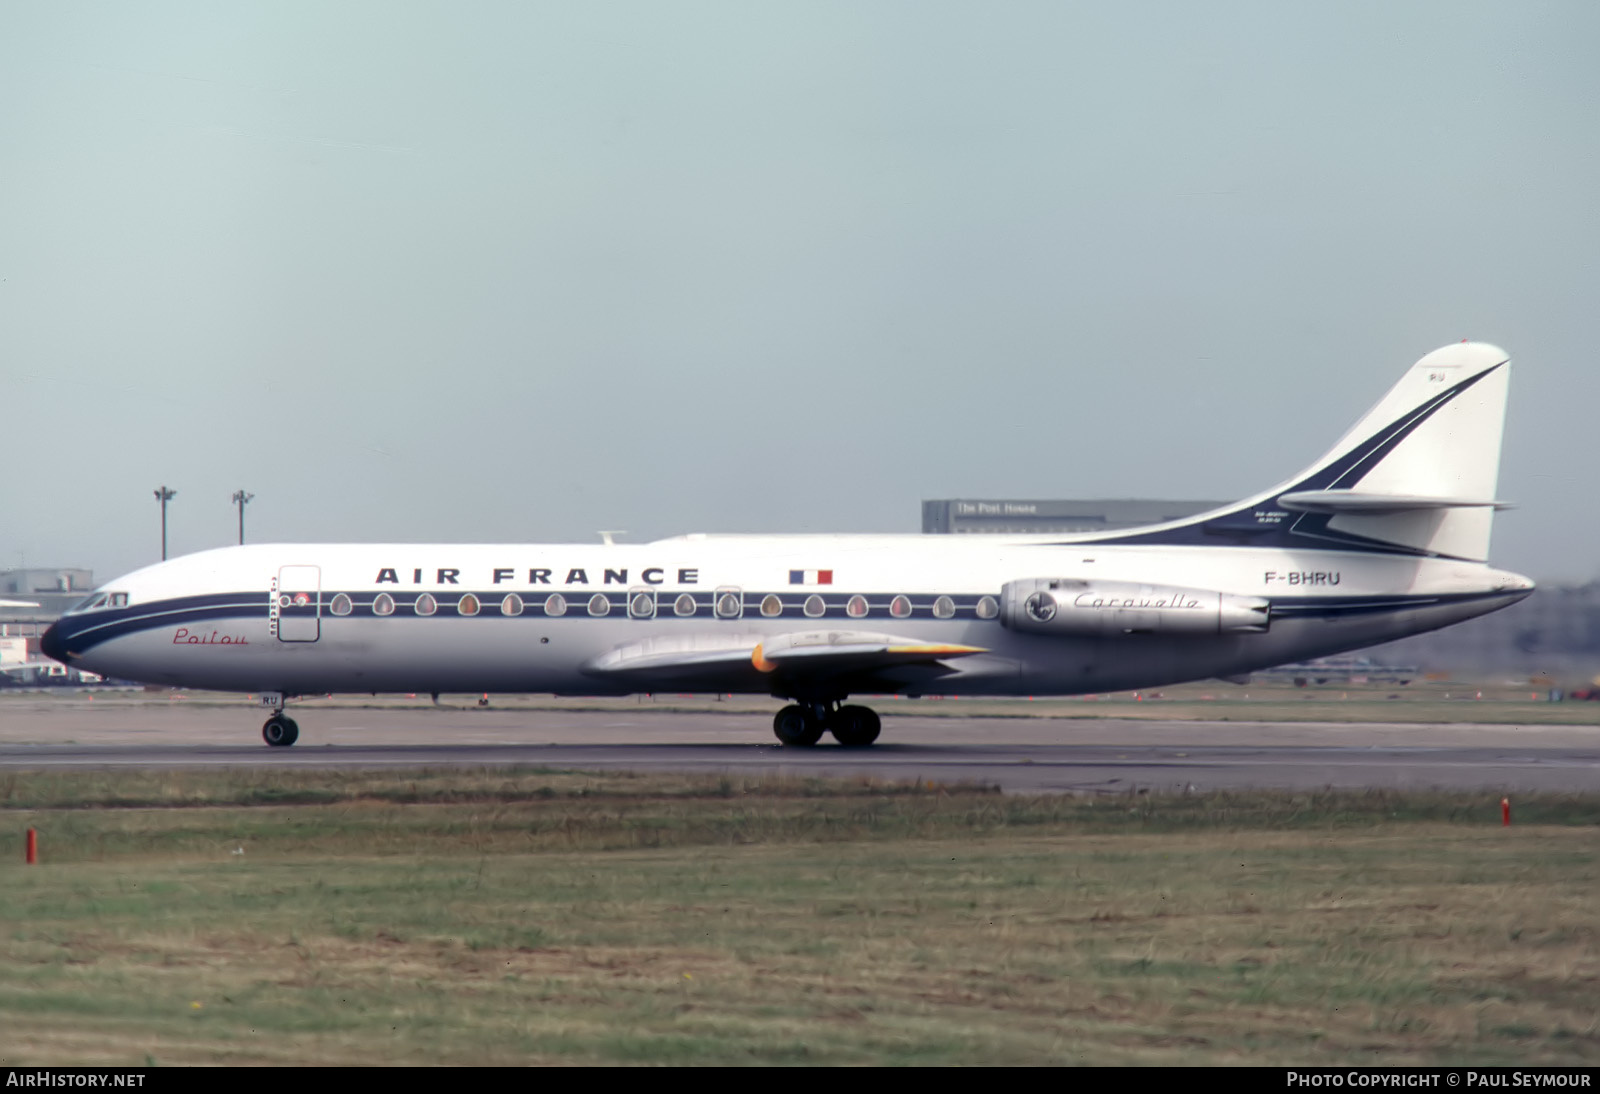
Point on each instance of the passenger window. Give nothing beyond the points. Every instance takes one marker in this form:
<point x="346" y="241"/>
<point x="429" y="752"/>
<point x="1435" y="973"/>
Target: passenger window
<point x="988" y="608"/>
<point x="642" y="605"/>
<point x="599" y="605"/>
<point x="341" y="605"/>
<point x="555" y="604"/>
<point x="511" y="605"/>
<point x="684" y="605"/>
<point x="771" y="605"/>
<point x="468" y="605"/>
<point x="857" y="607"/>
<point x="426" y="604"/>
<point x="815" y="606"/>
<point x="899" y="607"/>
<point x="730" y="604"/>
<point x="383" y="605"/>
<point x="944" y="608"/>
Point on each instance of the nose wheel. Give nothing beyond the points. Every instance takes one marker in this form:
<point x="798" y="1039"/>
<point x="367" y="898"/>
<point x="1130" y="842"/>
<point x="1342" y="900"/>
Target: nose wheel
<point x="280" y="732"/>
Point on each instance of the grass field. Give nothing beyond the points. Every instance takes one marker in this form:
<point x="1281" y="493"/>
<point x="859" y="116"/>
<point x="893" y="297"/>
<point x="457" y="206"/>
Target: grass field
<point x="273" y="916"/>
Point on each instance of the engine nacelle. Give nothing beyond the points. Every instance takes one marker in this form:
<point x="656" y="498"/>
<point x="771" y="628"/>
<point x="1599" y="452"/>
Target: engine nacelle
<point x="1060" y="605"/>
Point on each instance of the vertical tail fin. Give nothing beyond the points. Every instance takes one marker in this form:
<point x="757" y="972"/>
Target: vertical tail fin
<point x="1415" y="476"/>
<point x="1429" y="482"/>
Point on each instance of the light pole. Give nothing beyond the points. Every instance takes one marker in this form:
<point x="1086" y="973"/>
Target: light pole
<point x="241" y="499"/>
<point x="163" y="495"/>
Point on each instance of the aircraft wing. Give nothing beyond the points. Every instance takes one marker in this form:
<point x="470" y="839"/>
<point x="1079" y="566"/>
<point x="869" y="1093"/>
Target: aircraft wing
<point x="680" y="660"/>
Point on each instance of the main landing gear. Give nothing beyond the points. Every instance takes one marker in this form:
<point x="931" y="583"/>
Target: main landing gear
<point x="802" y="726"/>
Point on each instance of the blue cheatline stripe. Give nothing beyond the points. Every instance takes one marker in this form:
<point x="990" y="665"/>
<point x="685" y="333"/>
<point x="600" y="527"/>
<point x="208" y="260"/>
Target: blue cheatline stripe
<point x="159" y="614"/>
<point x="81" y="633"/>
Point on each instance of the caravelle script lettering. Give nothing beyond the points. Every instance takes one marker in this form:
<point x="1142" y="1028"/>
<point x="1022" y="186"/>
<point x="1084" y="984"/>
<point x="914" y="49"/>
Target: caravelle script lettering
<point x="1091" y="600"/>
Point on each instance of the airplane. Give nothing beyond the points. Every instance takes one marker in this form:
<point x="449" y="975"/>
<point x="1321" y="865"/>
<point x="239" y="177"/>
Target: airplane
<point x="26" y="669"/>
<point x="1386" y="535"/>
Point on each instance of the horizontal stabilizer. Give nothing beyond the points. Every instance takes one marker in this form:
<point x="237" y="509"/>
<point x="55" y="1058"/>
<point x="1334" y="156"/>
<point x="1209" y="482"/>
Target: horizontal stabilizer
<point x="1357" y="501"/>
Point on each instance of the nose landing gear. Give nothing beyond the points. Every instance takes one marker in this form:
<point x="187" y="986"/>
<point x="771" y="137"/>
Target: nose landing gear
<point x="280" y="732"/>
<point x="801" y="726"/>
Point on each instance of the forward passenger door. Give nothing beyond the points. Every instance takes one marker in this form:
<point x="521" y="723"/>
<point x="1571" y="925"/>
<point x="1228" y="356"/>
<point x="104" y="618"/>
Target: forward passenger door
<point x="295" y="612"/>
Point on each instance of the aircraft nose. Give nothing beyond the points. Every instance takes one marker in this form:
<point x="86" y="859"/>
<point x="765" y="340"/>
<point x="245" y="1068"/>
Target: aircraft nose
<point x="52" y="645"/>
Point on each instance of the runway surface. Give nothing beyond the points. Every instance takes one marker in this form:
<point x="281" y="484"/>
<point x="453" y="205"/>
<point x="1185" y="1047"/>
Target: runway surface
<point x="1016" y="754"/>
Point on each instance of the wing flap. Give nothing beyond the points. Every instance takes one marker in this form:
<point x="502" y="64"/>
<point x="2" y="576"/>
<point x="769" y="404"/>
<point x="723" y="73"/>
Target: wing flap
<point x="677" y="657"/>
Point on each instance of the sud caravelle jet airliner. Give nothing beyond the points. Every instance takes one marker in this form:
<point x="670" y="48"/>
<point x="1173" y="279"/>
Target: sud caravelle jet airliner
<point x="1385" y="536"/>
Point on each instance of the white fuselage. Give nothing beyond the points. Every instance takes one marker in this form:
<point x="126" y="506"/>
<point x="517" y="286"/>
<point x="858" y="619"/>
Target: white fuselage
<point x="302" y="618"/>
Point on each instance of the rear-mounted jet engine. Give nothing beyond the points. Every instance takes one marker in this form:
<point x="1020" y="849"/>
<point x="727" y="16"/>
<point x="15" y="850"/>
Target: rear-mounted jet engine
<point x="1058" y="605"/>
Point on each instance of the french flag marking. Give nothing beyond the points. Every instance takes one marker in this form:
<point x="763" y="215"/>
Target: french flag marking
<point x="811" y="577"/>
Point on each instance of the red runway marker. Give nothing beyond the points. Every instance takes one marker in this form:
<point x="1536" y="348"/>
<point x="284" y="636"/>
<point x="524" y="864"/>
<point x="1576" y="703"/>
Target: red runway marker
<point x="32" y="854"/>
<point x="1505" y="812"/>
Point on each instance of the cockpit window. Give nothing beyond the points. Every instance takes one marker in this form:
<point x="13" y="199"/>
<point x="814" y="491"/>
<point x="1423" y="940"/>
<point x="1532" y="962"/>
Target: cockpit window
<point x="118" y="600"/>
<point x="90" y="603"/>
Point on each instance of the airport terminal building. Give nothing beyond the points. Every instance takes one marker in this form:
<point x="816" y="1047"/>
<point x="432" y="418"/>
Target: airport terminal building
<point x="54" y="589"/>
<point x="38" y="597"/>
<point x="960" y="516"/>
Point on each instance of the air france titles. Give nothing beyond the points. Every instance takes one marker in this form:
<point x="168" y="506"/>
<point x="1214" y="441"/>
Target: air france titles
<point x="540" y="575"/>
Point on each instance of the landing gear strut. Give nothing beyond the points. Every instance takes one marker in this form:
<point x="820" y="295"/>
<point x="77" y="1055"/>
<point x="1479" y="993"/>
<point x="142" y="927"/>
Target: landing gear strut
<point x="801" y="726"/>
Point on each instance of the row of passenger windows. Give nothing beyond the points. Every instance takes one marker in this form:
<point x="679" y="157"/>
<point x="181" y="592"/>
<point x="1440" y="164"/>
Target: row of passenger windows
<point x="729" y="605"/>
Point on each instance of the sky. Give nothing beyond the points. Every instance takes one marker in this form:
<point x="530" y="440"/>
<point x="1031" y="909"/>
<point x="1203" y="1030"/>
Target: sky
<point x="519" y="272"/>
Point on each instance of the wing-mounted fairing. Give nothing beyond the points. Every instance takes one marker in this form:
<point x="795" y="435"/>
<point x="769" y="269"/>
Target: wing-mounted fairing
<point x="852" y="651"/>
<point x="1071" y="606"/>
<point x="787" y="663"/>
